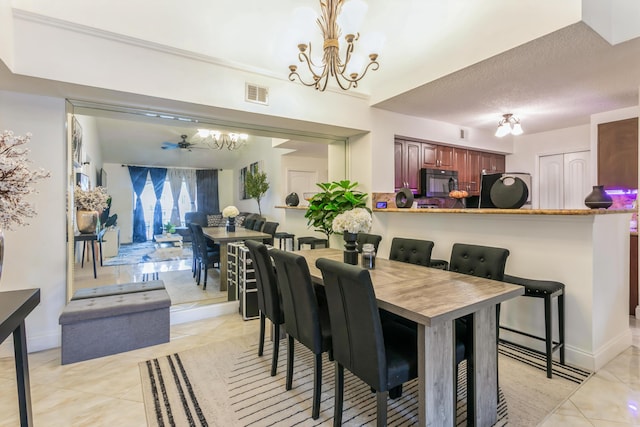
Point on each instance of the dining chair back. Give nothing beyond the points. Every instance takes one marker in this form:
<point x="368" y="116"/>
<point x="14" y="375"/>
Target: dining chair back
<point x="363" y="238"/>
<point x="257" y="226"/>
<point x="270" y="227"/>
<point x="248" y="223"/>
<point x="206" y="257"/>
<point x="382" y="355"/>
<point x="412" y="251"/>
<point x="269" y="302"/>
<point x="306" y="316"/>
<point x="194" y="249"/>
<point x="481" y="261"/>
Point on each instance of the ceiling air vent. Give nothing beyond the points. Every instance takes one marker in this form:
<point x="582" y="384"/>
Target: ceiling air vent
<point x="257" y="94"/>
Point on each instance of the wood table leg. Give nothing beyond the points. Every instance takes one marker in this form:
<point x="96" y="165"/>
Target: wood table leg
<point x="22" y="375"/>
<point x="485" y="372"/>
<point x="436" y="375"/>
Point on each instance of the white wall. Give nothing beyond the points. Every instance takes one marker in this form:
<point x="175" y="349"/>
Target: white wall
<point x="35" y="255"/>
<point x="120" y="190"/>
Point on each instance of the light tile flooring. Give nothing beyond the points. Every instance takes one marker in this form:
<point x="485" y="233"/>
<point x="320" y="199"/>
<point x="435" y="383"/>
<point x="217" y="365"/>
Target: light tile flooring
<point x="107" y="392"/>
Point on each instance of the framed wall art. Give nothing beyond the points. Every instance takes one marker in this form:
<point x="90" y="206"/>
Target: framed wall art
<point x="76" y="142"/>
<point x="253" y="168"/>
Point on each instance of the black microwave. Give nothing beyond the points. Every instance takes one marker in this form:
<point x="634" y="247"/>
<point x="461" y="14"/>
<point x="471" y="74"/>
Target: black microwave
<point x="438" y="182"/>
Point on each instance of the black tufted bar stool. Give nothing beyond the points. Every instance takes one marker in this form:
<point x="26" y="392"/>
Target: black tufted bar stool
<point x="546" y="289"/>
<point x="312" y="241"/>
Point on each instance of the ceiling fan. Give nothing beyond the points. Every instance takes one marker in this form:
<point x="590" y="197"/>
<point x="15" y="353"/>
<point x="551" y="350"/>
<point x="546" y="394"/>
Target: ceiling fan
<point x="182" y="145"/>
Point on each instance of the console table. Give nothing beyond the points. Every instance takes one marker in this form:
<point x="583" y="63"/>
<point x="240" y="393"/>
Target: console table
<point x="15" y="306"/>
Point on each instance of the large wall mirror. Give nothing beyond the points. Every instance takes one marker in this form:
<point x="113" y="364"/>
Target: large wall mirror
<point x="104" y="140"/>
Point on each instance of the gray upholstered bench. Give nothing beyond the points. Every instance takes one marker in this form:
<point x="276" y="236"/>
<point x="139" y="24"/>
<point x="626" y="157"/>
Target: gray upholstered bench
<point x="104" y="325"/>
<point x="118" y="289"/>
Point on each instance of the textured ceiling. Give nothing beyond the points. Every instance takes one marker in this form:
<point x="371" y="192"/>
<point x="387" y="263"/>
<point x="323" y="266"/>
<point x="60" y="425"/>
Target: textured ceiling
<point x="553" y="82"/>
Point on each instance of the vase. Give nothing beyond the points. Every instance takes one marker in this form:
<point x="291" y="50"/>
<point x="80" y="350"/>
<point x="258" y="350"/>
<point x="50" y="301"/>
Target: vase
<point x="87" y="221"/>
<point x="292" y="200"/>
<point x="231" y="224"/>
<point x="598" y="198"/>
<point x="350" y="252"/>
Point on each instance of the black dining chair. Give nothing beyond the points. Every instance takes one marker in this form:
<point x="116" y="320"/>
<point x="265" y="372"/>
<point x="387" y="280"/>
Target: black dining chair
<point x="412" y="251"/>
<point x="206" y="258"/>
<point x="269" y="302"/>
<point x="480" y="261"/>
<point x="248" y="223"/>
<point x="363" y="238"/>
<point x="257" y="226"/>
<point x="382" y="354"/>
<point x="270" y="227"/>
<point x="306" y="316"/>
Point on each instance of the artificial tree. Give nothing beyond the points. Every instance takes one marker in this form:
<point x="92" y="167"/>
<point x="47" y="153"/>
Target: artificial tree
<point x="256" y="185"/>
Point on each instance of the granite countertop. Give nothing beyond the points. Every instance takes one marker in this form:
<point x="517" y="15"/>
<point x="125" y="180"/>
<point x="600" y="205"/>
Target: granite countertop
<point x="510" y="211"/>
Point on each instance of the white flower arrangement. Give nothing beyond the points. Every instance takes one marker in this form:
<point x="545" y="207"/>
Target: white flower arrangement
<point x="230" y="212"/>
<point x="91" y="200"/>
<point x="356" y="220"/>
<point x="16" y="180"/>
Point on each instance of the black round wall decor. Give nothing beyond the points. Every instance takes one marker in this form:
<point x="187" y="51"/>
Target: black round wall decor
<point x="404" y="198"/>
<point x="509" y="192"/>
<point x="292" y="200"/>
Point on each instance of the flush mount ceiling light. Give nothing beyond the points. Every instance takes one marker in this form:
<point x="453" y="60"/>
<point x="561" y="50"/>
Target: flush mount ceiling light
<point x="219" y="140"/>
<point x="508" y="125"/>
<point x="332" y="22"/>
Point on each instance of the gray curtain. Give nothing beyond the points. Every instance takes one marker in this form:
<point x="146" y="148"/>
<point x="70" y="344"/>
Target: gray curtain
<point x="207" y="180"/>
<point x="175" y="183"/>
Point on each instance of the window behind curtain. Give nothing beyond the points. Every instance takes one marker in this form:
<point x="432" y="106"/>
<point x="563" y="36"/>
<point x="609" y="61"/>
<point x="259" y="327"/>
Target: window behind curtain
<point x="166" y="201"/>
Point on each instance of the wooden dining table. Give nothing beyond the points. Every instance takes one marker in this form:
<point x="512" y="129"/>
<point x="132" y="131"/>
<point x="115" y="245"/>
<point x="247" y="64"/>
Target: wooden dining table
<point x="223" y="237"/>
<point x="433" y="299"/>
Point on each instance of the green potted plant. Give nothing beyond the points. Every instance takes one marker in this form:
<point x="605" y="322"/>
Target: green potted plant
<point x="335" y="198"/>
<point x="256" y="186"/>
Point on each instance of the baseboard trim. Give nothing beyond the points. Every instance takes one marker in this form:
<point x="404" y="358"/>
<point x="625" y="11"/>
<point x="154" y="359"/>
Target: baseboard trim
<point x="203" y="312"/>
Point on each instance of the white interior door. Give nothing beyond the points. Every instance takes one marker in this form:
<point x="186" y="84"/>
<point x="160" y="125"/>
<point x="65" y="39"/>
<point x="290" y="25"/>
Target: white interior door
<point x="301" y="182"/>
<point x="577" y="179"/>
<point x="564" y="180"/>
<point x="551" y="189"/>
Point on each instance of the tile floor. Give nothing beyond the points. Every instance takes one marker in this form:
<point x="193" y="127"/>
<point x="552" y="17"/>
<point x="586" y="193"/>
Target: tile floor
<point x="106" y="391"/>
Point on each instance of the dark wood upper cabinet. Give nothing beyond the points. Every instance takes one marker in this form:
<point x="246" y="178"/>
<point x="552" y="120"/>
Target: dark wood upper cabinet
<point x="618" y="154"/>
<point x="411" y="155"/>
<point x="408" y="161"/>
<point x="429" y="156"/>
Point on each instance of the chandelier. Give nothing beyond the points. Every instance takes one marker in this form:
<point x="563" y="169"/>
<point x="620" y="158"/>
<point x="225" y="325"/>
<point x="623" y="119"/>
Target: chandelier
<point x="346" y="72"/>
<point x="508" y="125"/>
<point x="218" y="140"/>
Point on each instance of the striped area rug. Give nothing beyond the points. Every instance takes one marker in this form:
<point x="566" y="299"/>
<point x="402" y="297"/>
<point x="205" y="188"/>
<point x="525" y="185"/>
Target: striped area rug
<point x="218" y="386"/>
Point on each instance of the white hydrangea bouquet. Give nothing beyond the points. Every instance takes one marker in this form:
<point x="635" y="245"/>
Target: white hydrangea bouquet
<point x="91" y="200"/>
<point x="357" y="220"/>
<point x="16" y="180"/>
<point x="230" y="212"/>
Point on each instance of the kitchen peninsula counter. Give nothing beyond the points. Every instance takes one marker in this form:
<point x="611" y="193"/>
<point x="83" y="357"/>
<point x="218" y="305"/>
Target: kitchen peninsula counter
<point x="586" y="249"/>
